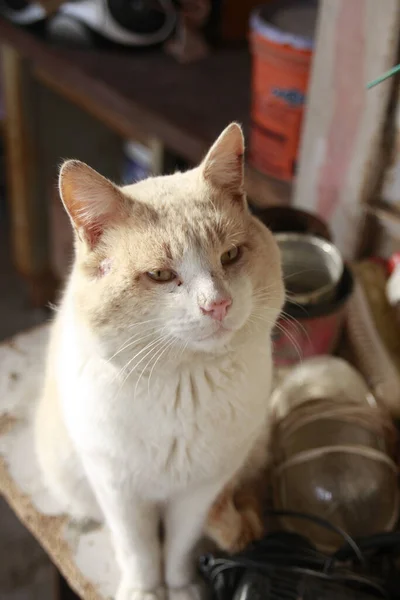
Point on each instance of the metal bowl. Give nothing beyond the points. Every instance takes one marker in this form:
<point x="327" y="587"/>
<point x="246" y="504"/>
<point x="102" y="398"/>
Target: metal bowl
<point x="287" y="219"/>
<point x="312" y="267"/>
<point x="313" y="330"/>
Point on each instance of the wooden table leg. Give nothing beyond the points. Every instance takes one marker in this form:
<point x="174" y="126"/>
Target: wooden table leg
<point x="25" y="188"/>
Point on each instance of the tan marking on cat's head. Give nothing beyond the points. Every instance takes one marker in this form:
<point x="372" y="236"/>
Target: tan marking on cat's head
<point x="182" y="223"/>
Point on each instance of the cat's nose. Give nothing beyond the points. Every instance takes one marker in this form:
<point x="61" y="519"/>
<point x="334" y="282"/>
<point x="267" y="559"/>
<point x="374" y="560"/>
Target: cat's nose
<point x="217" y="310"/>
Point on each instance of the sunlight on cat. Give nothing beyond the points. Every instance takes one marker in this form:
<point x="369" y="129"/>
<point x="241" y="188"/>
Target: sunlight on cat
<point x="159" y="366"/>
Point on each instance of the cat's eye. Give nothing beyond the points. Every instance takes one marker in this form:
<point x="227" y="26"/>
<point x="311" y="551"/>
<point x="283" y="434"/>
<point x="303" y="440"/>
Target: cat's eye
<point x="230" y="256"/>
<point x="162" y="276"/>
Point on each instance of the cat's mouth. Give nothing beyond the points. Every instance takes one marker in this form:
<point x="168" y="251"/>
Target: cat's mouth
<point x="219" y="333"/>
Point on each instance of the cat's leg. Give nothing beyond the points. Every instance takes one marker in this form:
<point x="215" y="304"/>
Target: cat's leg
<point x="184" y="525"/>
<point x="61" y="468"/>
<point x="138" y="549"/>
<point x="64" y="476"/>
<point x="134" y="524"/>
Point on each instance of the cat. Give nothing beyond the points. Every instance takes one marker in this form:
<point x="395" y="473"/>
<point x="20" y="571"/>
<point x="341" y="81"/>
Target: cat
<point x="159" y="363"/>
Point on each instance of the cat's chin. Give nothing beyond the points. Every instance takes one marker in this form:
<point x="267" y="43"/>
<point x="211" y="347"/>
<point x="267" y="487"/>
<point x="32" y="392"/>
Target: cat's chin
<point x="214" y="341"/>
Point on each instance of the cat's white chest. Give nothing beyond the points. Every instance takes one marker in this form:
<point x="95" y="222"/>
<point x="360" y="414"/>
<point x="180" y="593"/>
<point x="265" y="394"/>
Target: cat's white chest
<point x="175" y="428"/>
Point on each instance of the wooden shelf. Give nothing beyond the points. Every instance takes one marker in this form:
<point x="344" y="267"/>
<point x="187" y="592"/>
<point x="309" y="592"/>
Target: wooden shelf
<point x="184" y="106"/>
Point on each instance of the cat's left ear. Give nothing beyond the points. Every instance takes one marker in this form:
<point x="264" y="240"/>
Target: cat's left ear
<point x="93" y="202"/>
<point x="224" y="164"/>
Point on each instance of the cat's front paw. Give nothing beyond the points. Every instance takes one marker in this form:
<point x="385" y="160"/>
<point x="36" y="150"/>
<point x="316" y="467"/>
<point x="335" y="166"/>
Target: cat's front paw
<point x="128" y="592"/>
<point x="194" y="591"/>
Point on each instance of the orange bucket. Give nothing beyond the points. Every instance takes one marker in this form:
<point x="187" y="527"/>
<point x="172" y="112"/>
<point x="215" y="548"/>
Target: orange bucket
<point x="282" y="49"/>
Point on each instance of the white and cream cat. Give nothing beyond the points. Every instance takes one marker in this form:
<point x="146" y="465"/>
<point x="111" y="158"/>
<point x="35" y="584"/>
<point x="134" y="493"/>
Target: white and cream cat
<point x="159" y="364"/>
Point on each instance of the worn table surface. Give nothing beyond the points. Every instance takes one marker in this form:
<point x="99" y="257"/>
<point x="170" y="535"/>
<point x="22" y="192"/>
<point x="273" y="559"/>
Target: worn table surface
<point x="83" y="555"/>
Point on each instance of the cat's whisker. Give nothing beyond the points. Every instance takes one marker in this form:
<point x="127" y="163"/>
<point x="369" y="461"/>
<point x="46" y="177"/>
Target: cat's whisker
<point x="267" y="288"/>
<point x="171" y="347"/>
<point x="181" y="350"/>
<point x="281" y="328"/>
<point x="282" y="314"/>
<point x="292" y="339"/>
<point x="163" y="350"/>
<point x="145" y="322"/>
<point x="127" y="342"/>
<point x="178" y="350"/>
<point x="152" y="352"/>
<point x="288" y="318"/>
<point x="149" y="345"/>
<point x="154" y="347"/>
<point x="253" y="322"/>
<point x="298" y="329"/>
<point x="293" y="336"/>
<point x="131" y="342"/>
<point x="289" y="275"/>
<point x="265" y="300"/>
<point x="267" y="296"/>
<point x="262" y="317"/>
<point x="262" y="293"/>
<point x="289" y="299"/>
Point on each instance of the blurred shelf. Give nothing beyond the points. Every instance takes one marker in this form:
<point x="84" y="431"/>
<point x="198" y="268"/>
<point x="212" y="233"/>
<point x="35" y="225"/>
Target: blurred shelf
<point x="266" y="191"/>
<point x="184" y="106"/>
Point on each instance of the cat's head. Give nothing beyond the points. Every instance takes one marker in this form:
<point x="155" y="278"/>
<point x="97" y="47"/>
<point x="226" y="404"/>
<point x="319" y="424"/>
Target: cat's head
<point x="178" y="259"/>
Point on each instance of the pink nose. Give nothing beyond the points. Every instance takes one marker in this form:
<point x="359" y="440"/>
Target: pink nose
<point x="217" y="310"/>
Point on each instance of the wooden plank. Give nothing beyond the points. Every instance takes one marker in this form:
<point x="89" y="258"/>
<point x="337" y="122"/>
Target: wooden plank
<point x="340" y="160"/>
<point x="29" y="232"/>
<point x="25" y="570"/>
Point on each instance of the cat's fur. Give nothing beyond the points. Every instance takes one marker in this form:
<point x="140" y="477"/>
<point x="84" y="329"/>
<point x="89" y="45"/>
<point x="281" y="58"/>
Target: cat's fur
<point x="150" y="407"/>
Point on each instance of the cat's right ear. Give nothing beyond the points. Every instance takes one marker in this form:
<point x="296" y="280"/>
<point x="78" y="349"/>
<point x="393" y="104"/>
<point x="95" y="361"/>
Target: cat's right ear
<point x="92" y="201"/>
<point x="223" y="166"/>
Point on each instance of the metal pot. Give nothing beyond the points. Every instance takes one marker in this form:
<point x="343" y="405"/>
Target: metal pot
<point x="305" y="332"/>
<point x="281" y="219"/>
<point x="312" y="268"/>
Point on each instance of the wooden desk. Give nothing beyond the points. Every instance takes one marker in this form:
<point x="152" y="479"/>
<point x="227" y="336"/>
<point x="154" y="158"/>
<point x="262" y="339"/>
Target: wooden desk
<point x="185" y="107"/>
